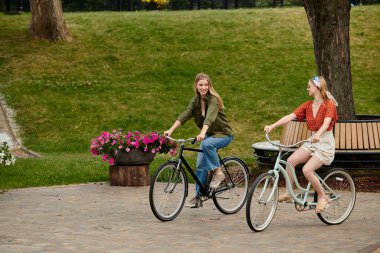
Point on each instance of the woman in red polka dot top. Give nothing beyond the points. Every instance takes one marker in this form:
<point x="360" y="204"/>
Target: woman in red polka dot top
<point x="320" y="115"/>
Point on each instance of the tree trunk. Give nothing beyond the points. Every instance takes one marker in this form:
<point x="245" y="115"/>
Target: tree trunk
<point x="47" y="20"/>
<point x="7" y="5"/>
<point x="237" y="4"/>
<point x="129" y="175"/>
<point x="329" y="22"/>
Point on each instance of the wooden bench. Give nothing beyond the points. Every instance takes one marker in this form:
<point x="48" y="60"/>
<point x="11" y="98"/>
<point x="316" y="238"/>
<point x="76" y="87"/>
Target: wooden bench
<point x="357" y="143"/>
<point x="349" y="135"/>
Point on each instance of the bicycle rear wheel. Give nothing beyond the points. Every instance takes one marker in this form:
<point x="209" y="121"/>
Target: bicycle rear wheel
<point x="341" y="190"/>
<point x="261" y="206"/>
<point x="167" y="192"/>
<point x="230" y="197"/>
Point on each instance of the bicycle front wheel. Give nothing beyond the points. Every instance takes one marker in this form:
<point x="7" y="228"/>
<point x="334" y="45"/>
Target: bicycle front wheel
<point x="167" y="192"/>
<point x="340" y="188"/>
<point x="262" y="202"/>
<point x="230" y="197"/>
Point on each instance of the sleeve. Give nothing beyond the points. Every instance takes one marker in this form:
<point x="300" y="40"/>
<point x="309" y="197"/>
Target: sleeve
<point x="212" y="111"/>
<point x="188" y="113"/>
<point x="300" y="112"/>
<point x="331" y="111"/>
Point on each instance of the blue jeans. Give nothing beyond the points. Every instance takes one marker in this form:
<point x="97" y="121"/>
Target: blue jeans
<point x="208" y="159"/>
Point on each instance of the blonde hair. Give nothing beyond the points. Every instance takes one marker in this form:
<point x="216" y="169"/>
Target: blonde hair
<point x="203" y="76"/>
<point x="322" y="87"/>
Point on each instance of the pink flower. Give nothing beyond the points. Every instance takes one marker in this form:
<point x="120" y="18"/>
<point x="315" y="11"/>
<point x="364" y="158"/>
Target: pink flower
<point x="146" y="140"/>
<point x="153" y="151"/>
<point x="120" y="147"/>
<point x="127" y="149"/>
<point x="171" y="152"/>
<point x="146" y="149"/>
<point x="111" y="161"/>
<point x="105" y="157"/>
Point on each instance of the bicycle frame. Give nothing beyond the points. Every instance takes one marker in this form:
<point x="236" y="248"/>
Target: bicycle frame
<point x="278" y="168"/>
<point x="181" y="160"/>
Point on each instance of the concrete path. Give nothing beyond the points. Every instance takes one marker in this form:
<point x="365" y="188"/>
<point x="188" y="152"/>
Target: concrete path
<point x="103" y="218"/>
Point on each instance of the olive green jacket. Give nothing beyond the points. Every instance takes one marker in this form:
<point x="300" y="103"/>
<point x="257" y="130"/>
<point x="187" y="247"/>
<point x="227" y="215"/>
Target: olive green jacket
<point x="215" y="117"/>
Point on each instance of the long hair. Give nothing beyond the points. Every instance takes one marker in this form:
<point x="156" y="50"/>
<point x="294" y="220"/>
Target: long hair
<point x="323" y="87"/>
<point x="203" y="76"/>
<point x="325" y="94"/>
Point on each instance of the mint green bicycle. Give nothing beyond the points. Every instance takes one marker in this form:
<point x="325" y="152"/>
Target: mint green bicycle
<point x="263" y="196"/>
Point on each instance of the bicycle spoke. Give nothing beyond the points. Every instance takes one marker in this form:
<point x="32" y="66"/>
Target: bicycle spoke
<point x="167" y="192"/>
<point x="341" y="190"/>
<point x="260" y="209"/>
<point x="231" y="195"/>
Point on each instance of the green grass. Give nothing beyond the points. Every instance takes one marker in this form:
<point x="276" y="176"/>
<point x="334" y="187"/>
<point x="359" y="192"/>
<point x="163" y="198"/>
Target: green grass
<point x="135" y="71"/>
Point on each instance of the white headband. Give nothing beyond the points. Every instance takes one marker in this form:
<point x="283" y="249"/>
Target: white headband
<point x="316" y="81"/>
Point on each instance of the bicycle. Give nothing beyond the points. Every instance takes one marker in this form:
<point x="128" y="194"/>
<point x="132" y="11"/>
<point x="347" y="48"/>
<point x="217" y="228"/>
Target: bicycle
<point x="262" y="198"/>
<point x="169" y="187"/>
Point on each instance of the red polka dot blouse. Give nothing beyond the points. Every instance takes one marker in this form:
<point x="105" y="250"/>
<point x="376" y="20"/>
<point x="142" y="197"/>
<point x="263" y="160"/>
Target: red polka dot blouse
<point x="326" y="110"/>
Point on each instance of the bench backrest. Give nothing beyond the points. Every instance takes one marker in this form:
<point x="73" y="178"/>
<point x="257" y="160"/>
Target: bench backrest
<point x="348" y="135"/>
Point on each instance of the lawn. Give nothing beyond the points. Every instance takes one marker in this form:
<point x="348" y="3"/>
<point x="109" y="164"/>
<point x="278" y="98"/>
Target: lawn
<point x="135" y="71"/>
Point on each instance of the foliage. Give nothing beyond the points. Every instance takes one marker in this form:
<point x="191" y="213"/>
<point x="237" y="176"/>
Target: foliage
<point x="105" y="144"/>
<point x="156" y="4"/>
<point x="6" y="158"/>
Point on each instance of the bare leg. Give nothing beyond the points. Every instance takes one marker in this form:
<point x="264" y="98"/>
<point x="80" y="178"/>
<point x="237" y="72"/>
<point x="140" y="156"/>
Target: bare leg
<point x="308" y="170"/>
<point x="301" y="155"/>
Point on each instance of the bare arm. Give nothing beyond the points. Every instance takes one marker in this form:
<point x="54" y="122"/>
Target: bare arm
<point x="202" y="135"/>
<point x="280" y="122"/>
<point x="326" y="124"/>
<point x="176" y="124"/>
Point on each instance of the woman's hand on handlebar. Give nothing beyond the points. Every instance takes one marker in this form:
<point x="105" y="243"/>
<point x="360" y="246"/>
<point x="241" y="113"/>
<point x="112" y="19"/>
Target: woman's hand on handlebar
<point x="315" y="139"/>
<point x="200" y="137"/>
<point x="168" y="132"/>
<point x="269" y="128"/>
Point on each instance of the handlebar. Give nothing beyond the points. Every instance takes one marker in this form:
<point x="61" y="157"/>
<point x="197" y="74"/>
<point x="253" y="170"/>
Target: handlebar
<point x="284" y="146"/>
<point x="181" y="141"/>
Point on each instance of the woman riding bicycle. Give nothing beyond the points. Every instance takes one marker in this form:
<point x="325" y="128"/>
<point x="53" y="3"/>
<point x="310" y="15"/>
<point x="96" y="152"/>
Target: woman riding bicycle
<point x="207" y="108"/>
<point x="320" y="115"/>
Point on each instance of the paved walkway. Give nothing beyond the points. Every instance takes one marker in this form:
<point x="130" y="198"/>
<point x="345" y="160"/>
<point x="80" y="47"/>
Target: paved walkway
<point x="103" y="218"/>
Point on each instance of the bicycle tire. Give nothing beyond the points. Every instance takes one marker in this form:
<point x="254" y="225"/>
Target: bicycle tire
<point x="258" y="219"/>
<point x="168" y="191"/>
<point x="233" y="198"/>
<point x="342" y="185"/>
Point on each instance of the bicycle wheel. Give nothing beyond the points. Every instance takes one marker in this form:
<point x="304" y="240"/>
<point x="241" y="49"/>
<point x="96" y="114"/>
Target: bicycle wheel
<point x="261" y="204"/>
<point x="232" y="194"/>
<point x="167" y="192"/>
<point x="341" y="190"/>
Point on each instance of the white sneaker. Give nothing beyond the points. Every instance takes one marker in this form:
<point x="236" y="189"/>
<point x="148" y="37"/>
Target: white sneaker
<point x="217" y="178"/>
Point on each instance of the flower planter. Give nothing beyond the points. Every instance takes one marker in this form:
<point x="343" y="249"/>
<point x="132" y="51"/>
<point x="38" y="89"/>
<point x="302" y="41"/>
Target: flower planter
<point x="133" y="157"/>
<point x="131" y="168"/>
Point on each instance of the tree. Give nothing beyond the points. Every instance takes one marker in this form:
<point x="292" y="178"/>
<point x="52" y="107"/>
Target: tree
<point x="47" y="20"/>
<point x="329" y="22"/>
